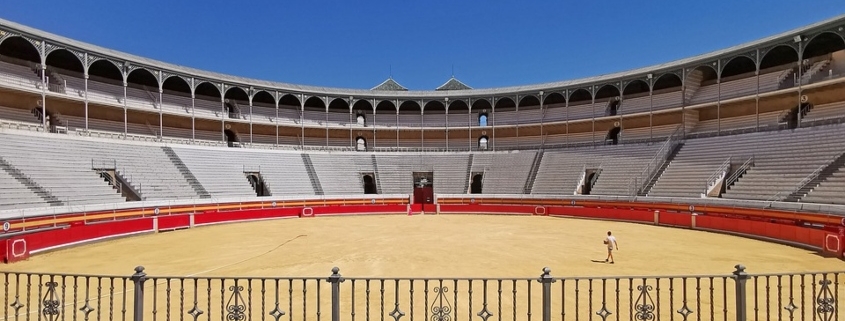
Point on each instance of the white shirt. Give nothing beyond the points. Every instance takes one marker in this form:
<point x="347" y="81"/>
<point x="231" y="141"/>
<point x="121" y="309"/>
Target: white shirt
<point x="611" y="240"/>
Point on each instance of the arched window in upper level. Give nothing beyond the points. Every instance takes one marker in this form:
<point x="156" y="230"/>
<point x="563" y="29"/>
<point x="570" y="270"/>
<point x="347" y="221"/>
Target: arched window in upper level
<point x="482" y="143"/>
<point x="360" y="144"/>
<point x="361" y="119"/>
<point x="482" y="120"/>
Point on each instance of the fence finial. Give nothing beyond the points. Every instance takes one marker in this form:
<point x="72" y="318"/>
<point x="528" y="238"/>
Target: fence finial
<point x="139" y="272"/>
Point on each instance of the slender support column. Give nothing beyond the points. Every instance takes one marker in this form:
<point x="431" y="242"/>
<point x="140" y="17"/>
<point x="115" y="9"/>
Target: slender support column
<point x="86" y="100"/>
<point x="193" y="113"/>
<point x="250" y="118"/>
<point x="566" y="107"/>
<point x="422" y="123"/>
<point x="422" y="127"/>
<point x="719" y="100"/>
<point x="327" y="122"/>
<point x="683" y="103"/>
<point x="651" y="110"/>
<point x="193" y="117"/>
<point x="352" y="121"/>
<point x="302" y="121"/>
<point x="160" y="116"/>
<point x="447" y="122"/>
<point x="374" y="124"/>
<point x="757" y="101"/>
<point x="469" y="123"/>
<point x="491" y="118"/>
<point x="542" y="116"/>
<point x="125" y="117"/>
<point x="516" y="103"/>
<point x="593" y="108"/>
<point x="276" y="119"/>
<point x="223" y="112"/>
<point x="800" y="74"/>
<point x="44" y="95"/>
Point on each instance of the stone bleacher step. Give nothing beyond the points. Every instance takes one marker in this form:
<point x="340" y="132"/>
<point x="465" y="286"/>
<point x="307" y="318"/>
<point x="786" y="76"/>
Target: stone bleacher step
<point x="469" y="174"/>
<point x="376" y="173"/>
<point x="669" y="158"/>
<point x="312" y="174"/>
<point x="30" y="184"/>
<point x="832" y="167"/>
<point x="532" y="175"/>
<point x="186" y="172"/>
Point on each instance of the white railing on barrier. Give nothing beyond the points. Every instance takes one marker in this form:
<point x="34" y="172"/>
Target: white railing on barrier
<point x="146" y="205"/>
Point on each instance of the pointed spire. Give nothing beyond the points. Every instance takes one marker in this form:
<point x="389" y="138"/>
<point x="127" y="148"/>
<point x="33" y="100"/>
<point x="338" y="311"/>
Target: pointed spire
<point x="390" y="85"/>
<point x="453" y="84"/>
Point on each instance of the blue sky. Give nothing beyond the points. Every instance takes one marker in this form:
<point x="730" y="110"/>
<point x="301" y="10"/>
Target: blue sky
<point x="356" y="44"/>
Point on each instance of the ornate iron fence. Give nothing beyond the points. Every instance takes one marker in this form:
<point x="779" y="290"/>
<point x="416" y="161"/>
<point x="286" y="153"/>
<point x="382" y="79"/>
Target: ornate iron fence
<point x="736" y="296"/>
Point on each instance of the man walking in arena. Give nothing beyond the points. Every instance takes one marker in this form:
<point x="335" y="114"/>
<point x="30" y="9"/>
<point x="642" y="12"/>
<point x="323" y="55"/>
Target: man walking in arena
<point x="610" y="241"/>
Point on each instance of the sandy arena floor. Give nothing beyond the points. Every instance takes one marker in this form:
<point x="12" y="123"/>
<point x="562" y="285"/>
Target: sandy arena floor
<point x="427" y="246"/>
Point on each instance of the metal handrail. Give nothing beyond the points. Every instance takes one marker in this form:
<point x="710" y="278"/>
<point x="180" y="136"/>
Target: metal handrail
<point x="809" y="178"/>
<point x="739" y="171"/>
<point x="778" y="196"/>
<point x="718" y="172"/>
<point x="651" y="168"/>
<point x="112" y="181"/>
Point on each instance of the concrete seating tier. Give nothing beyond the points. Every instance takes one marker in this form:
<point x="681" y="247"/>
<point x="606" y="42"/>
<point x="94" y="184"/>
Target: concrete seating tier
<point x="504" y="173"/>
<point x="737" y="123"/>
<point x="781" y="163"/>
<point x="830" y="191"/>
<point x="146" y="167"/>
<point x="395" y="172"/>
<point x="340" y="173"/>
<point x="739" y="87"/>
<point x="782" y="160"/>
<point x="825" y="112"/>
<point x="15" y="195"/>
<point x="19" y="115"/>
<point x="221" y="171"/>
<point x="561" y="170"/>
<point x="59" y="167"/>
<point x="644" y="104"/>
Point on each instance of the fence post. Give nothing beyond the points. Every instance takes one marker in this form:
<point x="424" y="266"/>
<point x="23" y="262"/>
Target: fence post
<point x="740" y="277"/>
<point x="138" y="278"/>
<point x="335" y="279"/>
<point x="546" y="279"/>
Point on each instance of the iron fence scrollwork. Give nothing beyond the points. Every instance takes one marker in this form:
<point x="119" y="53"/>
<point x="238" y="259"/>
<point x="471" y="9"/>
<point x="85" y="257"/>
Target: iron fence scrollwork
<point x="441" y="310"/>
<point x="50" y="302"/>
<point x="235" y="308"/>
<point x="800" y="296"/>
<point x="825" y="301"/>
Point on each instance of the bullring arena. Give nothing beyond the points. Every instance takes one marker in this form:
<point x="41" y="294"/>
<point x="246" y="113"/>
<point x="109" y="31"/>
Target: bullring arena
<point x="187" y="195"/>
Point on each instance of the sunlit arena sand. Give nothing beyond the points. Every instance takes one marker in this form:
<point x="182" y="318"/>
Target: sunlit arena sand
<point x="428" y="246"/>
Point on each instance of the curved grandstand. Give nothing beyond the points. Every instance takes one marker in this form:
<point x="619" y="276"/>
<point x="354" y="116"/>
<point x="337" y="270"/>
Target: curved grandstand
<point x="97" y="144"/>
<point x="87" y="129"/>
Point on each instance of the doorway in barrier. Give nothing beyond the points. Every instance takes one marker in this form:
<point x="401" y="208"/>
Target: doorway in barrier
<point x="423" y="187"/>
